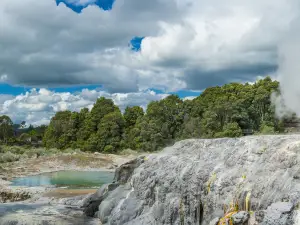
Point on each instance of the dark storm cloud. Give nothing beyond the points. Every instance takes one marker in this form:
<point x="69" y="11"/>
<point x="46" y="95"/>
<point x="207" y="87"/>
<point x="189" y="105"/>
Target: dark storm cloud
<point x="200" y="79"/>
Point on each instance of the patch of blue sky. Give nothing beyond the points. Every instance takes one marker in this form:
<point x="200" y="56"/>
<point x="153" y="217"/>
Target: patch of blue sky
<point x="181" y="93"/>
<point x="75" y="89"/>
<point x="78" y="5"/>
<point x="12" y="90"/>
<point x="135" y="43"/>
<point x="17" y="90"/>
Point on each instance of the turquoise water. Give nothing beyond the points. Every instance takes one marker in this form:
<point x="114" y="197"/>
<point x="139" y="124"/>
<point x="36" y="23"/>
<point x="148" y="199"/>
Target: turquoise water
<point x="68" y="179"/>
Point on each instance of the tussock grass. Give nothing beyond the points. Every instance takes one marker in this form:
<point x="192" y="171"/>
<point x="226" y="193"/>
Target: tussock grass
<point x="128" y="152"/>
<point x="16" y="153"/>
<point x="8" y="157"/>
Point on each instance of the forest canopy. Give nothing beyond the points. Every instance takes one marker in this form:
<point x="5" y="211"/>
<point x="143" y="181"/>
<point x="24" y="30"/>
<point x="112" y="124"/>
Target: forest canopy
<point x="221" y="111"/>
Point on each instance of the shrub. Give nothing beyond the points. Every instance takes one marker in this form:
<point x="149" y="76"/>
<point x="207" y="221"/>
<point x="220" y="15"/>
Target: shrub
<point x="230" y="130"/>
<point x="2" y="149"/>
<point x="30" y="154"/>
<point x="70" y="150"/>
<point x="24" y="137"/>
<point x="36" y="152"/>
<point x="128" y="152"/>
<point x="8" y="157"/>
<point x="17" y="150"/>
<point x="108" y="149"/>
<point x="267" y="129"/>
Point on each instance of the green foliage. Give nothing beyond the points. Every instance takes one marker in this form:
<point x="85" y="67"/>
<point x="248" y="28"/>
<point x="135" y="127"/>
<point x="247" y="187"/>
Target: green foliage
<point x="109" y="134"/>
<point x="8" y="157"/>
<point x="191" y="128"/>
<point x="132" y="114"/>
<point x="101" y="108"/>
<point x="84" y="127"/>
<point x="108" y="149"/>
<point x="62" y="129"/>
<point x="230" y="130"/>
<point x="24" y="137"/>
<point x="6" y="128"/>
<point x="161" y="125"/>
<point x="16" y="153"/>
<point x="266" y="128"/>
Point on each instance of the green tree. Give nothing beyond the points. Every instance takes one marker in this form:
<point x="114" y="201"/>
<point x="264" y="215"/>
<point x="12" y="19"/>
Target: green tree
<point x="101" y="108"/>
<point x="132" y="114"/>
<point x="162" y="123"/>
<point x="131" y="117"/>
<point x="109" y="135"/>
<point x="191" y="128"/>
<point x="6" y="128"/>
<point x="40" y="131"/>
<point x="210" y="124"/>
<point x="84" y="131"/>
<point x="92" y="120"/>
<point x="61" y="131"/>
<point x="262" y="110"/>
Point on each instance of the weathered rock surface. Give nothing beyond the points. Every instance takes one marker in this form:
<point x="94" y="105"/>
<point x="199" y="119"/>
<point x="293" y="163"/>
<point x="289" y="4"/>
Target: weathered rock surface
<point x="279" y="213"/>
<point x="91" y="203"/>
<point x="240" y="218"/>
<point x="64" y="212"/>
<point x="122" y="175"/>
<point x="192" y="181"/>
<point x="16" y="194"/>
<point x="9" y="196"/>
<point x="215" y="221"/>
<point x="124" y="172"/>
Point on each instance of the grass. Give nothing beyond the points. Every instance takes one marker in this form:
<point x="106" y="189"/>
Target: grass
<point x="8" y="157"/>
<point x="17" y="153"/>
<point x="128" y="152"/>
<point x="181" y="212"/>
<point x="83" y="159"/>
<point x="9" y="154"/>
<point x="211" y="181"/>
<point x="263" y="150"/>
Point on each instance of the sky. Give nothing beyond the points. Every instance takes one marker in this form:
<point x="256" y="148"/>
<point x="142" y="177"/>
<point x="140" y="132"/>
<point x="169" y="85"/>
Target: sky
<point x="64" y="54"/>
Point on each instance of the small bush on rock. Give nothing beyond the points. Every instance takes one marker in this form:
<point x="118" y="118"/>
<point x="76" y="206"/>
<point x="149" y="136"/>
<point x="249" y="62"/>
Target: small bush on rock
<point x="267" y="128"/>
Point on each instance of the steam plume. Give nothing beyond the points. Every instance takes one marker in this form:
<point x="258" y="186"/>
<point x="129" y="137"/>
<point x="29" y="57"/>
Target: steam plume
<point x="289" y="73"/>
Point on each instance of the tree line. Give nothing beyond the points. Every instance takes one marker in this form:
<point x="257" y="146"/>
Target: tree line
<point x="221" y="111"/>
